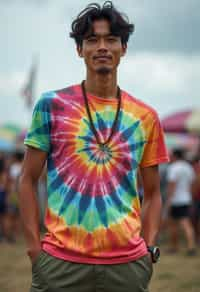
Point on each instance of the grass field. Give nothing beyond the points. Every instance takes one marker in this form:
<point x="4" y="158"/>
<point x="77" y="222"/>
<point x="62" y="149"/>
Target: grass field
<point x="174" y="273"/>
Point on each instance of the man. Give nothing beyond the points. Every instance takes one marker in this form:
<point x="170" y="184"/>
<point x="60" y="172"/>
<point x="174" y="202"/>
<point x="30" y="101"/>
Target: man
<point x="180" y="177"/>
<point x="94" y="137"/>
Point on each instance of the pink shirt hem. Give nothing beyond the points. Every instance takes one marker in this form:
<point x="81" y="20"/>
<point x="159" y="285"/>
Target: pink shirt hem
<point x="64" y="255"/>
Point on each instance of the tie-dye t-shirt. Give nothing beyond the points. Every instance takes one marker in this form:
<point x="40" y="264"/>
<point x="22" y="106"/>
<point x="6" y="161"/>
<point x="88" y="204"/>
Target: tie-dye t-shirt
<point x="93" y="212"/>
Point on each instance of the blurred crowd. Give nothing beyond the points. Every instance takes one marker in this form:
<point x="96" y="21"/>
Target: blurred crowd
<point x="180" y="189"/>
<point x="10" y="169"/>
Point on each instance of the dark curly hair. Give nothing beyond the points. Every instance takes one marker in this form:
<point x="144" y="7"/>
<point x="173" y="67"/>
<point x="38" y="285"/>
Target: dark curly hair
<point x="119" y="23"/>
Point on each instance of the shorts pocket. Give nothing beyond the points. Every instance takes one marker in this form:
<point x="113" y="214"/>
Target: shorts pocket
<point x="37" y="260"/>
<point x="39" y="282"/>
<point x="142" y="271"/>
<point x="148" y="260"/>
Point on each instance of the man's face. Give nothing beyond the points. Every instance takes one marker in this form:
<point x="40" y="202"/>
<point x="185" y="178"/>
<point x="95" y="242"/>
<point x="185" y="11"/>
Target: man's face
<point x="101" y="50"/>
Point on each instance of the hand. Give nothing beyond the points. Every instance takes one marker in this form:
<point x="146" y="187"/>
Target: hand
<point x="34" y="252"/>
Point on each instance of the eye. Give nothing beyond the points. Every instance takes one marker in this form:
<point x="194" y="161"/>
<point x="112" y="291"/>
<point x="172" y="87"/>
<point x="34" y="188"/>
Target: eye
<point x="112" y="39"/>
<point x="92" y="40"/>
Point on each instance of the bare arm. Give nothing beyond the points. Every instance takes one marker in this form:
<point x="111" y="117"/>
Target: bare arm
<point x="151" y="207"/>
<point x="33" y="164"/>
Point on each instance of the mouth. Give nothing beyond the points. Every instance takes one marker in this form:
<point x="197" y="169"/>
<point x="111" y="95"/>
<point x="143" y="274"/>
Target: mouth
<point x="102" y="58"/>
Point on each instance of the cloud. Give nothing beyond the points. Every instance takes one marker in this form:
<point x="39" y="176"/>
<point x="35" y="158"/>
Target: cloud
<point x="10" y="84"/>
<point x="160" y="26"/>
<point x="164" y="26"/>
<point x="24" y="2"/>
<point x="12" y="107"/>
<point x="168" y="82"/>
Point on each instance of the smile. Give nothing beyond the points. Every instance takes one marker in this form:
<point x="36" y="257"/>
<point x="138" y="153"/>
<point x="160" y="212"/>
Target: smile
<point x="102" y="58"/>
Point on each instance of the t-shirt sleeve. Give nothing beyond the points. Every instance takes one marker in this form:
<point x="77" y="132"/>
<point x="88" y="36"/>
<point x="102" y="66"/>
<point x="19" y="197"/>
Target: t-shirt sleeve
<point x="155" y="151"/>
<point x="38" y="135"/>
<point x="172" y="174"/>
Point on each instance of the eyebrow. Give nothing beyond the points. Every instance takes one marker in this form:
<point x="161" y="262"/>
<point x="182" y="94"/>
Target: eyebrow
<point x="97" y="35"/>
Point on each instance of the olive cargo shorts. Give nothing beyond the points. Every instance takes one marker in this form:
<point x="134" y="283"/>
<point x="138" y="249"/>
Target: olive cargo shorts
<point x="50" y="274"/>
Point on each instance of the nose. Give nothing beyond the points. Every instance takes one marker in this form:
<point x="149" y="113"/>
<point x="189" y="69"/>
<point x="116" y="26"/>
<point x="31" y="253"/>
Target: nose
<point x="102" y="44"/>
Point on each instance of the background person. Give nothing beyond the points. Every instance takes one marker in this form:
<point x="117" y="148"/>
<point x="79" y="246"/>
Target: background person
<point x="3" y="198"/>
<point x="180" y="177"/>
<point x="13" y="219"/>
<point x="196" y="198"/>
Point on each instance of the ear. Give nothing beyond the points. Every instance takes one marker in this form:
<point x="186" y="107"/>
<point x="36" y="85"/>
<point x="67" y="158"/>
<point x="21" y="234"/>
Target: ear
<point x="79" y="51"/>
<point x="124" y="49"/>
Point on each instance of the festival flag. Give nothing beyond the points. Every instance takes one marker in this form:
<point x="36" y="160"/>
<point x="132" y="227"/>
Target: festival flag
<point x="28" y="91"/>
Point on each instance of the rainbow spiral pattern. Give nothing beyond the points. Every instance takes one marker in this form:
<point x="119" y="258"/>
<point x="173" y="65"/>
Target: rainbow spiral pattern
<point x="93" y="212"/>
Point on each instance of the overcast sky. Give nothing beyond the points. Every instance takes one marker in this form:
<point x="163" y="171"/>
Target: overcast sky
<point x="162" y="65"/>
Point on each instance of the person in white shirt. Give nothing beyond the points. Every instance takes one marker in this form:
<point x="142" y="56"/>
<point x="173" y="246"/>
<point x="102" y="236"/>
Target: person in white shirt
<point x="180" y="177"/>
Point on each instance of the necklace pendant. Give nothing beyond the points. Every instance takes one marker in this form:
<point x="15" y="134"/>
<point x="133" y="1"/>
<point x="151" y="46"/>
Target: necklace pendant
<point x="102" y="147"/>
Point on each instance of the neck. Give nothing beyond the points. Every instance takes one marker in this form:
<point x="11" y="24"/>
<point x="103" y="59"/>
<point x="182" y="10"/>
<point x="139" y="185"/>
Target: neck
<point x="103" y="85"/>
